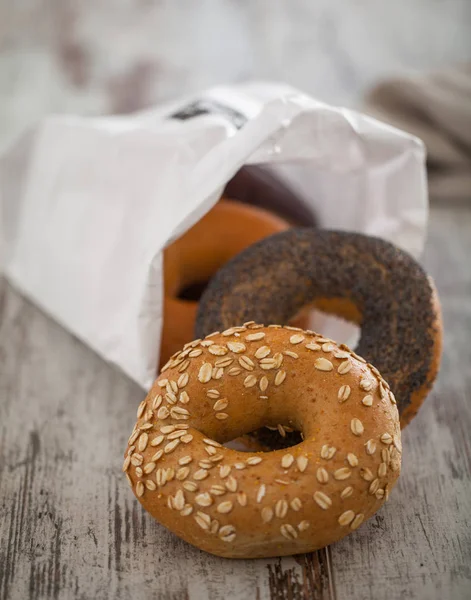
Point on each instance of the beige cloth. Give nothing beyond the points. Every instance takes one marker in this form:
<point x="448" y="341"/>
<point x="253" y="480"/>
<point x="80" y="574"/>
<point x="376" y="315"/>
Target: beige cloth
<point x="436" y="108"/>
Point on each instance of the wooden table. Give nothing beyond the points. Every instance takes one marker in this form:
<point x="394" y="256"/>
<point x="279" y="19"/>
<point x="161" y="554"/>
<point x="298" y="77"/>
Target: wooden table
<point x="71" y="528"/>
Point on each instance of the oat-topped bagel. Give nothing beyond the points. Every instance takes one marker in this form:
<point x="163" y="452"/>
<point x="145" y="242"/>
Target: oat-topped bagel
<point x="360" y="278"/>
<point x="241" y="504"/>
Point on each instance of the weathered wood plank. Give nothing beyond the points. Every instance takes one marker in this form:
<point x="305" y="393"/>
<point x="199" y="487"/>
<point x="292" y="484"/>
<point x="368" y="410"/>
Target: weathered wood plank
<point x="419" y="544"/>
<point x="70" y="528"/>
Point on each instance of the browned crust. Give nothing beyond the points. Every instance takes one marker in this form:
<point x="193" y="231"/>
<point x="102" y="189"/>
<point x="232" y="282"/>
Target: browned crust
<point x="282" y="502"/>
<point x="220" y="235"/>
<point x="345" y="309"/>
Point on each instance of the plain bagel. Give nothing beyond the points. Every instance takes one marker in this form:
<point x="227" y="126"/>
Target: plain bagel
<point x="246" y="504"/>
<point x="195" y="257"/>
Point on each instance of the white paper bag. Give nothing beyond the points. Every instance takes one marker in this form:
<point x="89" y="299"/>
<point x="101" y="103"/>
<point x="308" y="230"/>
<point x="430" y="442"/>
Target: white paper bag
<point x="90" y="203"/>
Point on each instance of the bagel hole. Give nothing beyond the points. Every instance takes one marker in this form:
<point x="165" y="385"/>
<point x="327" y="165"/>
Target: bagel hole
<point x="193" y="291"/>
<point x="335" y="328"/>
<point x="266" y="439"/>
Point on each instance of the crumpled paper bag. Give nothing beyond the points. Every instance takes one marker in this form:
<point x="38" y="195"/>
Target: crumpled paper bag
<point x="88" y="204"/>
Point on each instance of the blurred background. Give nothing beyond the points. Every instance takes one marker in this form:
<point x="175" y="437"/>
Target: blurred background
<point x="117" y="56"/>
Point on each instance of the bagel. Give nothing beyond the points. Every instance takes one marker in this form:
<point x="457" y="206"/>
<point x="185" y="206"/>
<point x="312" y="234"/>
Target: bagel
<point x="193" y="259"/>
<point x="360" y="278"/>
<point x="260" y="504"/>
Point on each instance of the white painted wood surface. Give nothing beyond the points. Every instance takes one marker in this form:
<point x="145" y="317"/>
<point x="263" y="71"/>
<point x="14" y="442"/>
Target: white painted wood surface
<point x="69" y="526"/>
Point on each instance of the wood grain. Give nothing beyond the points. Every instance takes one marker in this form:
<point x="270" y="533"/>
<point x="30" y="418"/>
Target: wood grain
<point x="71" y="528"/>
